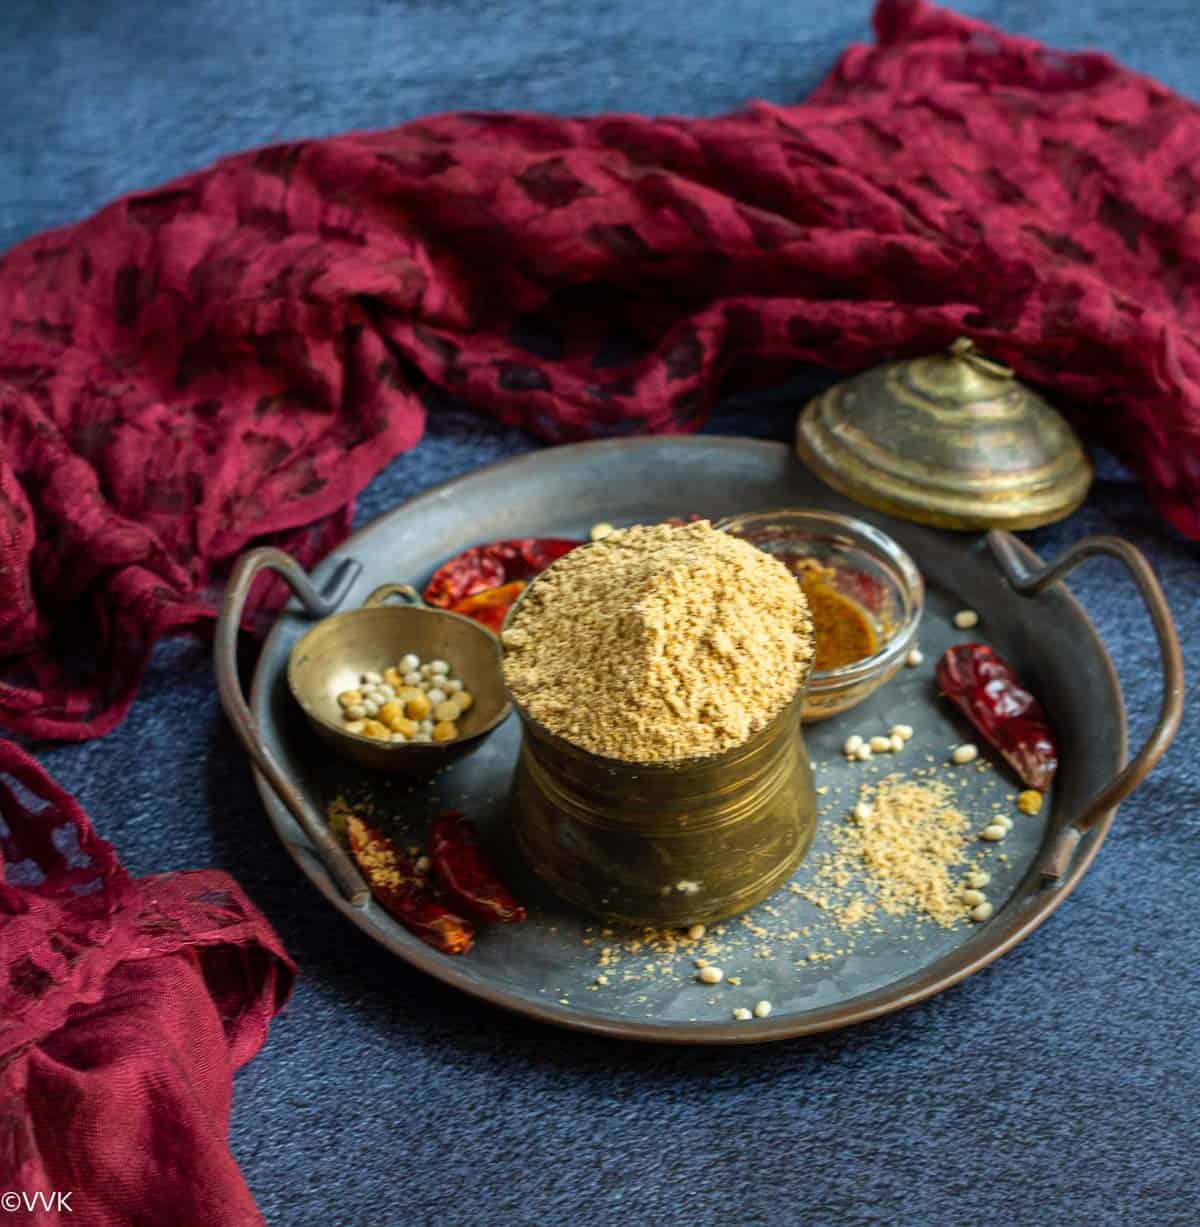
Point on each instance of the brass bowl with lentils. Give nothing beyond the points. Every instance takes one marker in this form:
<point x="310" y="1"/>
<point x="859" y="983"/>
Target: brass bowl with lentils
<point x="331" y="657"/>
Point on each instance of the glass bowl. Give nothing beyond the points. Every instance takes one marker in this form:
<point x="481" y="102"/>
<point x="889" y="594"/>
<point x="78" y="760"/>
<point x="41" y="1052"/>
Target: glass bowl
<point x="866" y="566"/>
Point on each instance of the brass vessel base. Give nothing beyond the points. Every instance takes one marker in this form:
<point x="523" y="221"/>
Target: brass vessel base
<point x="666" y="845"/>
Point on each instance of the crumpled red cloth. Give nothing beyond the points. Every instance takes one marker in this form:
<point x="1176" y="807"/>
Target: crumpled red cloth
<point x="234" y="355"/>
<point x="125" y="1006"/>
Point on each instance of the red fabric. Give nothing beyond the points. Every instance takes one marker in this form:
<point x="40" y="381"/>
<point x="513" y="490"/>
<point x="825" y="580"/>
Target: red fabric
<point x="236" y="354"/>
<point x="125" y="1006"/>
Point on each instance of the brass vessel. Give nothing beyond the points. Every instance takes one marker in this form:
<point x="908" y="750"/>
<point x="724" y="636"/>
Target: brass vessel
<point x="334" y="654"/>
<point x="952" y="439"/>
<point x="667" y="844"/>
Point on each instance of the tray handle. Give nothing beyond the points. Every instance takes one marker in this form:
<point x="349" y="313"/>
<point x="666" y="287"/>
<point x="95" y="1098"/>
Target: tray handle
<point x="318" y="603"/>
<point x="1030" y="581"/>
<point x="406" y="592"/>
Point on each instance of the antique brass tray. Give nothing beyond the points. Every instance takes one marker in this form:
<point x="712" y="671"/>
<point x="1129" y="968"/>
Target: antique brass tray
<point x="543" y="969"/>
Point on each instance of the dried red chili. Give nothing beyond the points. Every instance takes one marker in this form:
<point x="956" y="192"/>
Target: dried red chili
<point x="465" y="875"/>
<point x="491" y="565"/>
<point x="395" y="882"/>
<point x="987" y="691"/>
<point x="490" y="606"/>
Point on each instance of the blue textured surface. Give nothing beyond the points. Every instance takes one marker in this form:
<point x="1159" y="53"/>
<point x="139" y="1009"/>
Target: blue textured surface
<point x="1060" y="1085"/>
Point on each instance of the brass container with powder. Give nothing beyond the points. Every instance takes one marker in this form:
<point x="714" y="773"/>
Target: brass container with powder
<point x="666" y="843"/>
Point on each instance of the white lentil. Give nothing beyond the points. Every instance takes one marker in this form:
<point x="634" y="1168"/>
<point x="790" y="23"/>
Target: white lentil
<point x="762" y="1009"/>
<point x="412" y="678"/>
<point x="599" y="531"/>
<point x="398" y="737"/>
<point x="981" y="912"/>
<point x="914" y="658"/>
<point x="710" y="975"/>
<point x="965" y="619"/>
<point x="425" y="726"/>
<point x="436" y="695"/>
<point x="973" y="897"/>
<point x="409" y="663"/>
<point x="880" y="745"/>
<point x="862" y="753"/>
<point x="700" y="962"/>
<point x="863" y="810"/>
<point x="388" y="692"/>
<point x="852" y="746"/>
<point x="696" y="932"/>
<point x="978" y="877"/>
<point x="356" y="711"/>
<point x="439" y="666"/>
<point x="452" y="685"/>
<point x="993" y="833"/>
<point x="1003" y="820"/>
<point x="965" y="754"/>
<point x="687" y="888"/>
<point x="372" y="679"/>
<point x="371" y="709"/>
<point x="742" y="1014"/>
<point x="422" y="736"/>
<point x="356" y="726"/>
<point x="602" y="980"/>
<point x="903" y="731"/>
<point x="896" y="743"/>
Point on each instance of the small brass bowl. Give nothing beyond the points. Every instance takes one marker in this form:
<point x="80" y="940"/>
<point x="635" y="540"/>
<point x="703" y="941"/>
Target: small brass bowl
<point x="334" y="655"/>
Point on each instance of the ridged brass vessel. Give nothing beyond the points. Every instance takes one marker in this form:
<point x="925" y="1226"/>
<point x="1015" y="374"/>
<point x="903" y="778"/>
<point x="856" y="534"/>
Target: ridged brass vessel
<point x="666" y="843"/>
<point x="952" y="439"/>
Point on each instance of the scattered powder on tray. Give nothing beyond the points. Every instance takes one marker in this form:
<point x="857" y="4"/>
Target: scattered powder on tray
<point x="907" y="859"/>
<point x="659" y="643"/>
<point x="906" y="839"/>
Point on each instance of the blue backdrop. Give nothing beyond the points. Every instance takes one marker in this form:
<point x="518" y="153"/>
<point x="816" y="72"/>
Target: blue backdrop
<point x="1060" y="1085"/>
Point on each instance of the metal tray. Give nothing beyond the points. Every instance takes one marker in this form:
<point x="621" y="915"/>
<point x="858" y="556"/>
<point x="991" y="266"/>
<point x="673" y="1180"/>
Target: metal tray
<point x="543" y="968"/>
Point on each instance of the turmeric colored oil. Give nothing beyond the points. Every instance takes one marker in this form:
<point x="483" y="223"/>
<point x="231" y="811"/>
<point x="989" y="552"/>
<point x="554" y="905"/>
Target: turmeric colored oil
<point x="843" y="630"/>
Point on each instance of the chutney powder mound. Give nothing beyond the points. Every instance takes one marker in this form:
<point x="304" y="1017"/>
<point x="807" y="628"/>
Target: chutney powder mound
<point x="659" y="643"/>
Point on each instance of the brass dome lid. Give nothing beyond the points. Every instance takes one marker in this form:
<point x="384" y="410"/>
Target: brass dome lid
<point x="953" y="440"/>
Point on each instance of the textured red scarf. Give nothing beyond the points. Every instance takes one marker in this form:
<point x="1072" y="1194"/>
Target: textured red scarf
<point x="236" y="354"/>
<point x="124" y="1009"/>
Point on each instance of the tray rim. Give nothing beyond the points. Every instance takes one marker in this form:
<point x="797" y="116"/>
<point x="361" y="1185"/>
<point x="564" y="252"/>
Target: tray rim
<point x="879" y="1002"/>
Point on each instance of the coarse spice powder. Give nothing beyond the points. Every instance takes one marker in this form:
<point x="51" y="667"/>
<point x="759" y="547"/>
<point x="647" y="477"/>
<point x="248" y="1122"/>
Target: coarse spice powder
<point x="659" y="643"/>
<point x="908" y="859"/>
<point x="907" y="842"/>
